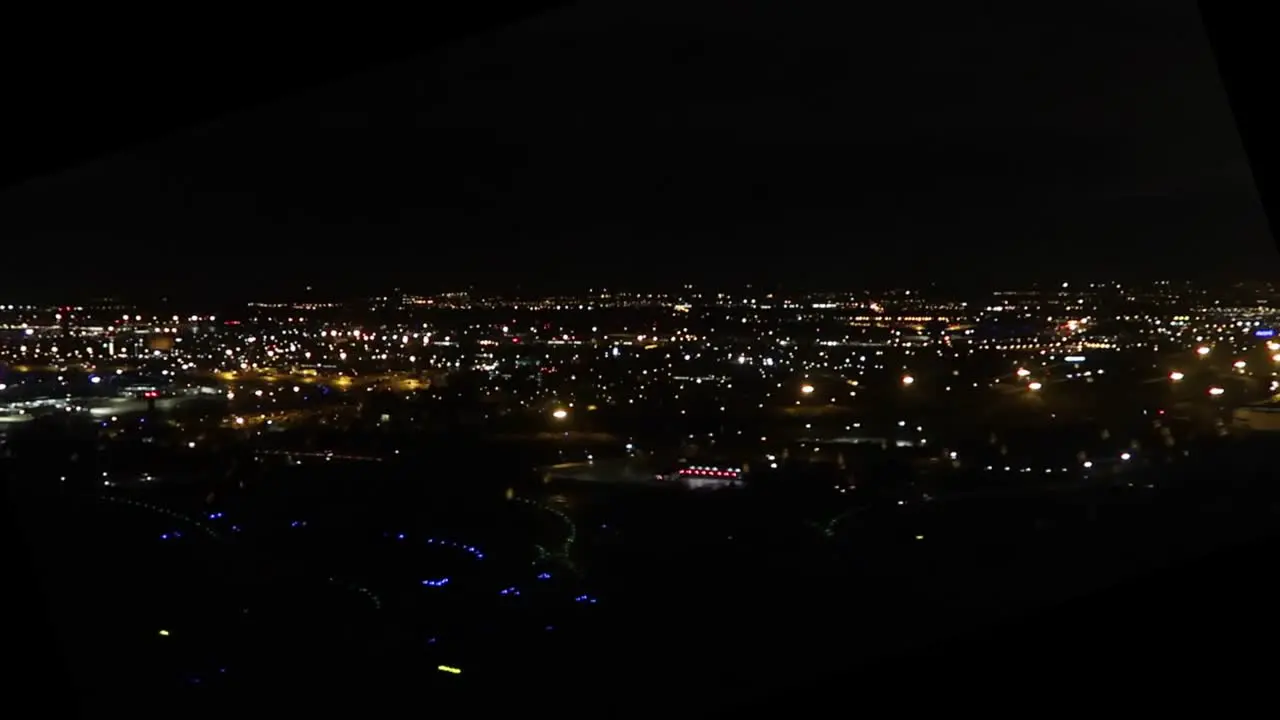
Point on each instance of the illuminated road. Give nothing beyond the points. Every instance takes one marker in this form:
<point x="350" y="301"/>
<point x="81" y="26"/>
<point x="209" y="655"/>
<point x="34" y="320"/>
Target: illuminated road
<point x="392" y="381"/>
<point x="603" y="471"/>
<point x="319" y="455"/>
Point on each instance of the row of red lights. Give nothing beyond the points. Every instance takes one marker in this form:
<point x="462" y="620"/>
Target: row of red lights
<point x="711" y="473"/>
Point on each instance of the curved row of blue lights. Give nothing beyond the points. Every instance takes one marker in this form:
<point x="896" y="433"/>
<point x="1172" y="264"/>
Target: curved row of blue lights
<point x="435" y="582"/>
<point x="163" y="511"/>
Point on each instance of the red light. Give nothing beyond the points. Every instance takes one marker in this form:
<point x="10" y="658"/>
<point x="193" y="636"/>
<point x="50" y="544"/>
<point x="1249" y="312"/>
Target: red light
<point x="150" y="394"/>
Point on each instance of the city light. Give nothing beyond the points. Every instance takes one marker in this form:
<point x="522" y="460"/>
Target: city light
<point x="321" y="459"/>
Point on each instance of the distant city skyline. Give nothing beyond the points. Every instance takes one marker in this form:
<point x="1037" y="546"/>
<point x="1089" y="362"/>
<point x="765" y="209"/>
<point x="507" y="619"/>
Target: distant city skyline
<point x="253" y="296"/>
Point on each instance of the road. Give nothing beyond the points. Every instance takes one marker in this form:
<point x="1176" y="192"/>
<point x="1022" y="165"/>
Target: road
<point x="603" y="471"/>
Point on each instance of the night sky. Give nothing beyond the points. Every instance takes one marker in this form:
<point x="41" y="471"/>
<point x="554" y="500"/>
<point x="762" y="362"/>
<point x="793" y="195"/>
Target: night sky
<point x="644" y="144"/>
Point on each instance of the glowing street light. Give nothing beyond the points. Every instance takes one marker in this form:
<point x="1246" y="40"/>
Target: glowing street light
<point x="1176" y="376"/>
<point x="907" y="379"/>
<point x="560" y="414"/>
<point x="806" y="389"/>
<point x="1216" y="391"/>
<point x="1202" y="351"/>
<point x="1035" y="386"/>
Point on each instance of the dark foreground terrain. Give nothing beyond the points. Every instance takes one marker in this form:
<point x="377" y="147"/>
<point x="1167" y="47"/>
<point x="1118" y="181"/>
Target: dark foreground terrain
<point x="363" y="591"/>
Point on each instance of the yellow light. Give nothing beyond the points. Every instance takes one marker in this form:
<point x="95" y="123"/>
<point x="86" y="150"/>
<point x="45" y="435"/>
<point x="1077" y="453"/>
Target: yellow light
<point x="907" y="379"/>
<point x="560" y="414"/>
<point x="1176" y="376"/>
<point x="1023" y="372"/>
<point x="806" y="389"/>
<point x="164" y="633"/>
<point x="1239" y="364"/>
<point x="1035" y="386"/>
<point x="449" y="669"/>
<point x="1215" y="391"/>
<point x="1202" y="351"/>
<point x="1275" y="358"/>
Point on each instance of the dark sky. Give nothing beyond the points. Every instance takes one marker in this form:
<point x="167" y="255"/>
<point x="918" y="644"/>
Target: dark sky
<point x="637" y="143"/>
